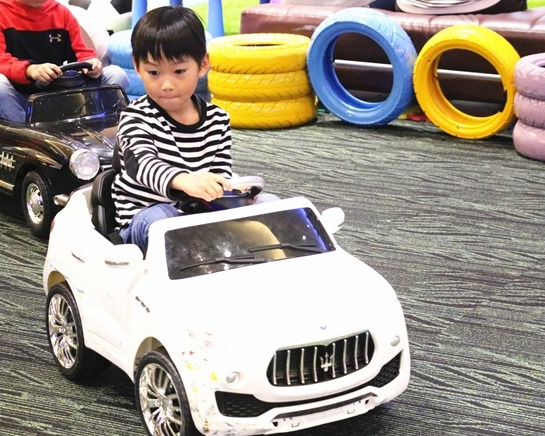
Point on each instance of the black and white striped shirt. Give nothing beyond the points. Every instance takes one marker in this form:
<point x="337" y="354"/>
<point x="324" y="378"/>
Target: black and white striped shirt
<point x="154" y="148"/>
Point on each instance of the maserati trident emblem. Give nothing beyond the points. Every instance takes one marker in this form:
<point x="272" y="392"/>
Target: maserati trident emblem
<point x="327" y="362"/>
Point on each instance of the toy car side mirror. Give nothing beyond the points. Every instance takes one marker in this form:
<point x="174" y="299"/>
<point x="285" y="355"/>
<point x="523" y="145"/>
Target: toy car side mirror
<point x="333" y="219"/>
<point x="123" y="256"/>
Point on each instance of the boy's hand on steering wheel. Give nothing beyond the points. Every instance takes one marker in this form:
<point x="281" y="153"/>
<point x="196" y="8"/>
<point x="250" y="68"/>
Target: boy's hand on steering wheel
<point x="96" y="71"/>
<point x="207" y="186"/>
<point x="44" y="73"/>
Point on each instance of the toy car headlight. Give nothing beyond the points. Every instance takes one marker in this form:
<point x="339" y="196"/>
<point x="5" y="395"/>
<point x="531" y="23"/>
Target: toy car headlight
<point x="84" y="164"/>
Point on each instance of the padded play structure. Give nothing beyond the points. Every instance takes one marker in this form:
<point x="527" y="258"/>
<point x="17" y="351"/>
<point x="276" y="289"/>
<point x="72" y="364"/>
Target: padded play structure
<point x="116" y="48"/>
<point x="464" y="75"/>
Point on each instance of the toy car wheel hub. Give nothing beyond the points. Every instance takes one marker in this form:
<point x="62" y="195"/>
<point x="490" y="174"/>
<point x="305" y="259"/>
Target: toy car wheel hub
<point x="156" y="388"/>
<point x="63" y="339"/>
<point x="163" y="406"/>
<point x="35" y="203"/>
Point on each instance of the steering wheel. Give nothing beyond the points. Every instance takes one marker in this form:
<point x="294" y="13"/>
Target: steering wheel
<point x="244" y="190"/>
<point x="76" y="66"/>
<point x="248" y="187"/>
<point x="72" y="74"/>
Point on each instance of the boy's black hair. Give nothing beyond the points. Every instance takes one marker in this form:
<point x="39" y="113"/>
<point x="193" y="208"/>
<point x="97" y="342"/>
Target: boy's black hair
<point x="170" y="32"/>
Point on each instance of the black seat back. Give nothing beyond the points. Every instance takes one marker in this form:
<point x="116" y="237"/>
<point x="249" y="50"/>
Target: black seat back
<point x="103" y="207"/>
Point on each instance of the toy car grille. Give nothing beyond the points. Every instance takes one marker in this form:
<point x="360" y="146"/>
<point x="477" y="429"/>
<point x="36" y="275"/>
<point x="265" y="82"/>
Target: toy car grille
<point x="319" y="363"/>
<point x="248" y="406"/>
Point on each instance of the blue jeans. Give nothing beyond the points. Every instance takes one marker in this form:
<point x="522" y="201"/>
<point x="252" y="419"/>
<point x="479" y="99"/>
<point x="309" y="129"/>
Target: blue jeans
<point x="137" y="232"/>
<point x="13" y="104"/>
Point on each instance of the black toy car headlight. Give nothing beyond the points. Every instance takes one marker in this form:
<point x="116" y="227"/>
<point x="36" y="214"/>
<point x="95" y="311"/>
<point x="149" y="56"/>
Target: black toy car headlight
<point x="84" y="164"/>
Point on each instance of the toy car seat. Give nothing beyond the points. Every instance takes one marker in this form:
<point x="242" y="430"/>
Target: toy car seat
<point x="103" y="207"/>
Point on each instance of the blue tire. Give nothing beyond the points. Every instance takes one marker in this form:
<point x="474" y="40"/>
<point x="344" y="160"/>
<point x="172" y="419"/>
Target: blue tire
<point x="390" y="37"/>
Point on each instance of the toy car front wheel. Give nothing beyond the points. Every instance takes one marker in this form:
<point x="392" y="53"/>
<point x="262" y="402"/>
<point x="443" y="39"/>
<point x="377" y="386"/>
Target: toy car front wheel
<point x="65" y="333"/>
<point x="38" y="204"/>
<point x="161" y="398"/>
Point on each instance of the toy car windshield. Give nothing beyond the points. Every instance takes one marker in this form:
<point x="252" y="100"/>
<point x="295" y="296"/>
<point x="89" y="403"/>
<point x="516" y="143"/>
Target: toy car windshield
<point x="224" y="245"/>
<point x="81" y="103"/>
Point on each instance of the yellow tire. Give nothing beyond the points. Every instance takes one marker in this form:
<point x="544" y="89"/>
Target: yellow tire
<point x="271" y="114"/>
<point x="484" y="42"/>
<point x="259" y="87"/>
<point x="258" y="53"/>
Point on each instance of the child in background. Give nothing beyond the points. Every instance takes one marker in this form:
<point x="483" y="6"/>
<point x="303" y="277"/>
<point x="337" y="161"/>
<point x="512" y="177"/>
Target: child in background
<point x="36" y="36"/>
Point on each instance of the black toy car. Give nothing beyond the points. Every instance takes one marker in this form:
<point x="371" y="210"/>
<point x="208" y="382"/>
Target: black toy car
<point x="66" y="140"/>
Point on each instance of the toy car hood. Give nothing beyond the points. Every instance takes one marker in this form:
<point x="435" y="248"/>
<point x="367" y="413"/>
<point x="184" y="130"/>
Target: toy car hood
<point x="347" y="294"/>
<point x="95" y="135"/>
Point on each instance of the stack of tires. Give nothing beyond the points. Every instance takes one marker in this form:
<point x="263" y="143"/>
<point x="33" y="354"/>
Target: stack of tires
<point x="529" y="105"/>
<point x="261" y="80"/>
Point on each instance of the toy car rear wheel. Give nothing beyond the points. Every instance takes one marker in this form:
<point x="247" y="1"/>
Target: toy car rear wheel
<point x="38" y="204"/>
<point x="161" y="399"/>
<point x="65" y="333"/>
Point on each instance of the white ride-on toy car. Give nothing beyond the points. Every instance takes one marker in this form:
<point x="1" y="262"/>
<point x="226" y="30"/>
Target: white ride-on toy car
<point x="243" y="321"/>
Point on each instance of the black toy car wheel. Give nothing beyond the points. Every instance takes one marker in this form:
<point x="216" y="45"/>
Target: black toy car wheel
<point x="65" y="333"/>
<point x="38" y="204"/>
<point x="161" y="398"/>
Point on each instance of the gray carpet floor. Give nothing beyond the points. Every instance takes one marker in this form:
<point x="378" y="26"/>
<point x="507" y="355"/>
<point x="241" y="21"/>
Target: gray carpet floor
<point x="455" y="226"/>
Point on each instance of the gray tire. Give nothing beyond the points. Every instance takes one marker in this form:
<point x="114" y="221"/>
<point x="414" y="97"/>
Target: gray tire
<point x="529" y="141"/>
<point x="530" y="110"/>
<point x="530" y="76"/>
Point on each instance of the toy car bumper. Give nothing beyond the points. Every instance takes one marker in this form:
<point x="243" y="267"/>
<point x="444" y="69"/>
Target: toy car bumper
<point x="299" y="415"/>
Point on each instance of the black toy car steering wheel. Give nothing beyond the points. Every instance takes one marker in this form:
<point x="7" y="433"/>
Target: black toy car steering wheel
<point x="243" y="191"/>
<point x="76" y="66"/>
<point x="72" y="74"/>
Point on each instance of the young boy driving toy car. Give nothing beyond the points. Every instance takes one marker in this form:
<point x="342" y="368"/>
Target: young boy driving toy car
<point x="172" y="142"/>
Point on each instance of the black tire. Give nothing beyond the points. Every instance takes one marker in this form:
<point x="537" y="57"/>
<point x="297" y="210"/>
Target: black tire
<point x="391" y="38"/>
<point x="157" y="379"/>
<point x="38" y="203"/>
<point x="65" y="336"/>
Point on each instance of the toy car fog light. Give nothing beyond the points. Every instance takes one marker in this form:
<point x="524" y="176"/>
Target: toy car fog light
<point x="84" y="164"/>
<point x="233" y="378"/>
<point x="395" y="341"/>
